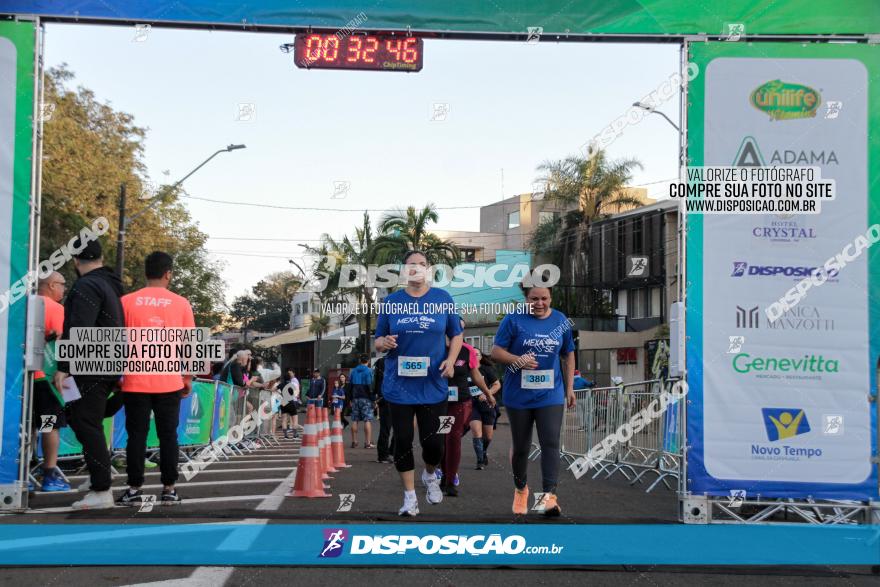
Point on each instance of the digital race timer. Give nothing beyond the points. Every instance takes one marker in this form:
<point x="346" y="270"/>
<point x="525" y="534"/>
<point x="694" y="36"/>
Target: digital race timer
<point x="380" y="52"/>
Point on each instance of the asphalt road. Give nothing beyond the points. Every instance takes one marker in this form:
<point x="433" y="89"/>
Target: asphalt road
<point x="251" y="488"/>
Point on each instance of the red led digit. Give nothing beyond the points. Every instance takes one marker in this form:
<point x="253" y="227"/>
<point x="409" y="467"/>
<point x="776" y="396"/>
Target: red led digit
<point x="331" y="43"/>
<point x="393" y="47"/>
<point x="410" y="53"/>
<point x="313" y="42"/>
<point x="354" y="49"/>
<point x="369" y="50"/>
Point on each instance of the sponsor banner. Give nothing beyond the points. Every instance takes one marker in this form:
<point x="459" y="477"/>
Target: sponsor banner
<point x="433" y="544"/>
<point x="17" y="42"/>
<point x="197" y="414"/>
<point x="785" y="411"/>
<point x="732" y="18"/>
<point x="221" y="410"/>
<point x="68" y="445"/>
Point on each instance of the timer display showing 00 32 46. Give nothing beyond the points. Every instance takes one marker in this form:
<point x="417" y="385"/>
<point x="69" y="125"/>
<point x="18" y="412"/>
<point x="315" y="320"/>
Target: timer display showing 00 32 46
<point x="376" y="52"/>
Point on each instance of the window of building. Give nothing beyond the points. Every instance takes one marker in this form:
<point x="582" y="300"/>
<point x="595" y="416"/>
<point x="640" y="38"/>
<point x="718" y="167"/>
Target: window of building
<point x="627" y="356"/>
<point x="468" y="255"/>
<point x="488" y="341"/>
<point x="547" y="217"/>
<point x="638" y="236"/>
<point x="638" y="301"/>
<point x="513" y="219"/>
<point x="656" y="309"/>
<point x="474" y="341"/>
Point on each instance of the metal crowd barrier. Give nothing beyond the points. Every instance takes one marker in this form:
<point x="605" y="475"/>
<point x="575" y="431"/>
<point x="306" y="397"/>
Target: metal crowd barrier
<point x="206" y="414"/>
<point x="600" y="412"/>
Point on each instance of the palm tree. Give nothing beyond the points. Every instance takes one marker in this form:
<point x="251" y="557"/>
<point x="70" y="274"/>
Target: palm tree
<point x="361" y="252"/>
<point x="404" y="230"/>
<point x="597" y="186"/>
<point x="319" y="327"/>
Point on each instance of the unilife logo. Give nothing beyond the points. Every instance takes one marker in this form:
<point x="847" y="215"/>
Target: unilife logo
<point x="334" y="542"/>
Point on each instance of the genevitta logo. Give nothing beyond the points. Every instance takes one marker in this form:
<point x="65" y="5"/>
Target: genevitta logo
<point x="334" y="542"/>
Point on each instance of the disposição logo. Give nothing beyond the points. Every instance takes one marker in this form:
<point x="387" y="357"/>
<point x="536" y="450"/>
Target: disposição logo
<point x="334" y="542"/>
<point x="785" y="101"/>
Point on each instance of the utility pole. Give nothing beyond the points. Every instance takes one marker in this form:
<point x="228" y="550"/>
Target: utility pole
<point x="120" y="234"/>
<point x="124" y="222"/>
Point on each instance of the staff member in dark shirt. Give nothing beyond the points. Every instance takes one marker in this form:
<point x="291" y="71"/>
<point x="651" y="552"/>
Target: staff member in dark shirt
<point x="93" y="301"/>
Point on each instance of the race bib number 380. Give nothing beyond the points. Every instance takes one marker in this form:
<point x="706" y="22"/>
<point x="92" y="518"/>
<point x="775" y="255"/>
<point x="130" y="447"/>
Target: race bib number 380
<point x="413" y="366"/>
<point x="537" y="379"/>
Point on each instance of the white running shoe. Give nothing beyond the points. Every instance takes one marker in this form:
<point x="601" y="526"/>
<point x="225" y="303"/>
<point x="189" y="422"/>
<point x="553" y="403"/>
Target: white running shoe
<point x="429" y="480"/>
<point x="410" y="507"/>
<point x="95" y="500"/>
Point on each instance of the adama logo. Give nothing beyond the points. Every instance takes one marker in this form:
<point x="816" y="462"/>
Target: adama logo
<point x="784" y="101"/>
<point x="334" y="542"/>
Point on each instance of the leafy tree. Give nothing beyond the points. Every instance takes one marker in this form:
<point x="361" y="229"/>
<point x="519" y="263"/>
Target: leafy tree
<point x="267" y="307"/>
<point x="89" y="150"/>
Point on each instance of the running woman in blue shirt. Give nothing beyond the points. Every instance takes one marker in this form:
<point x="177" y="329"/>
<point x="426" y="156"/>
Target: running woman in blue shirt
<point x="535" y="390"/>
<point x="412" y="328"/>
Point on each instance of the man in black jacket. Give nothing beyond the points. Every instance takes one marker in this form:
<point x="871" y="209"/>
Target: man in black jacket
<point x="93" y="301"/>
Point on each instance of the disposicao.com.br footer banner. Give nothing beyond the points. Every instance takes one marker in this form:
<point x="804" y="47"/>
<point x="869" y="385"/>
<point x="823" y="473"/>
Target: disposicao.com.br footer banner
<point x="434" y="544"/>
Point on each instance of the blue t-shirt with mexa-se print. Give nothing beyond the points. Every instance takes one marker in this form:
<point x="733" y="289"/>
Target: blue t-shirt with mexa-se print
<point x="412" y="370"/>
<point x="547" y="339"/>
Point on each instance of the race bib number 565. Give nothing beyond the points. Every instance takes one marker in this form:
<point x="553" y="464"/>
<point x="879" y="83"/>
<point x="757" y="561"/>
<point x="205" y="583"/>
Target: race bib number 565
<point x="413" y="366"/>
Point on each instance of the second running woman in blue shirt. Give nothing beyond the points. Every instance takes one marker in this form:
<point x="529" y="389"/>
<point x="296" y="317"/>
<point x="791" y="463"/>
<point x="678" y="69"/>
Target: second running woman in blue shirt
<point x="413" y="332"/>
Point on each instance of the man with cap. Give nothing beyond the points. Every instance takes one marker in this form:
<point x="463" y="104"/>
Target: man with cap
<point x="93" y="301"/>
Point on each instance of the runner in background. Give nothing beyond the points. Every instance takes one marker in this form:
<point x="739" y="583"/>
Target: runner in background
<point x="151" y="307"/>
<point x="290" y="401"/>
<point x="466" y="382"/>
<point x="345" y="384"/>
<point x="362" y="401"/>
<point x="46" y="402"/>
<point x="416" y="368"/>
<point x="385" y="444"/>
<point x="484" y="412"/>
<point x="535" y="391"/>
<point x="93" y="301"/>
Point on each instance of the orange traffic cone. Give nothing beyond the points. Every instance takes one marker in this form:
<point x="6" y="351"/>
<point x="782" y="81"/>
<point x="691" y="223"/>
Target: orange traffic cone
<point x="308" y="473"/>
<point x="337" y="442"/>
<point x="328" y="450"/>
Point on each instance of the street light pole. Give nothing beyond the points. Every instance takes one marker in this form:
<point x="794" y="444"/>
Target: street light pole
<point x="125" y="222"/>
<point x="651" y="110"/>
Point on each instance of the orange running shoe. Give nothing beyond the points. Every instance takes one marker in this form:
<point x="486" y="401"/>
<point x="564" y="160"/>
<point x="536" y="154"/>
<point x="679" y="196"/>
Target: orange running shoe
<point x="551" y="507"/>
<point x="521" y="501"/>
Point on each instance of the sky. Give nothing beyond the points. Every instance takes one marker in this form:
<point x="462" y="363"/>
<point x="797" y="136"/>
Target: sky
<point x="510" y="106"/>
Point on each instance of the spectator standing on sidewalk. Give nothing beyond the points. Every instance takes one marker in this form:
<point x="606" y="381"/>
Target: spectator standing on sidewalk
<point x="362" y="401"/>
<point x="46" y="401"/>
<point x="154" y="306"/>
<point x="93" y="301"/>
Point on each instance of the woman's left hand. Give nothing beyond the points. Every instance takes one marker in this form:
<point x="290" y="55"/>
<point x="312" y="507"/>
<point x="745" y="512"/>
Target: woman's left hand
<point x="570" y="400"/>
<point x="447" y="369"/>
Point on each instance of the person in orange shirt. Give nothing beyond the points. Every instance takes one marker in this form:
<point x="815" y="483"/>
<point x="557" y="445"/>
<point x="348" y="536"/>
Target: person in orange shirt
<point x="154" y="306"/>
<point x="46" y="403"/>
